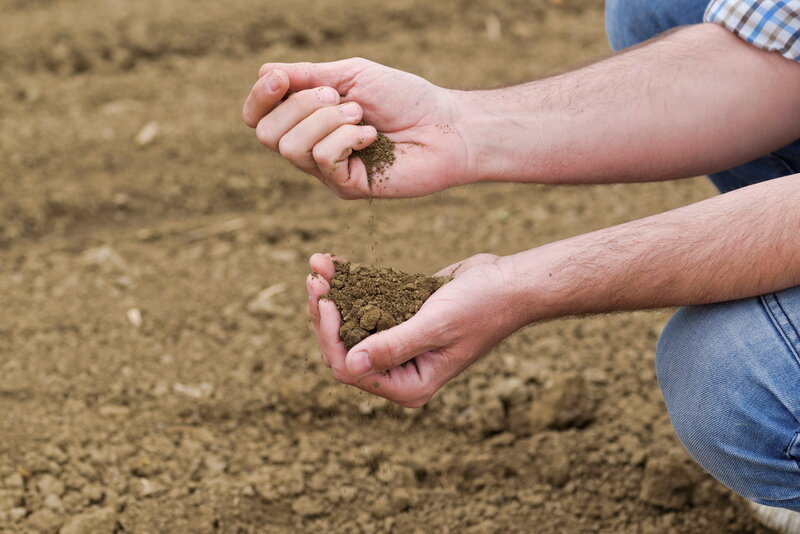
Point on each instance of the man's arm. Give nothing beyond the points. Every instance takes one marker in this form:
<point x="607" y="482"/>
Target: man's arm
<point x="741" y="244"/>
<point x="736" y="245"/>
<point x="695" y="101"/>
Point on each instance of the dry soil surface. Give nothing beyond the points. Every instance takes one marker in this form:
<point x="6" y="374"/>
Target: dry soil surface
<point x="157" y="372"/>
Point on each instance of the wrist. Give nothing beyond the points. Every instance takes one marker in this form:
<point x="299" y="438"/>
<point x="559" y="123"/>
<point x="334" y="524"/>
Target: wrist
<point x="502" y="131"/>
<point x="536" y="285"/>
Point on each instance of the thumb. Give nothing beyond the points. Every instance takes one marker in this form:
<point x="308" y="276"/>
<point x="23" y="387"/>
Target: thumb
<point x="394" y="347"/>
<point x="336" y="74"/>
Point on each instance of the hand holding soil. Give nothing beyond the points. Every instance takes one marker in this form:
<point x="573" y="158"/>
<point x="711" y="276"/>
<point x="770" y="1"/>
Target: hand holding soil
<point x="335" y="109"/>
<point x="458" y="324"/>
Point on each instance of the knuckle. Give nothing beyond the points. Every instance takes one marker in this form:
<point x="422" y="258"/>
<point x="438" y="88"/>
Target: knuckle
<point x="264" y="135"/>
<point x="360" y="62"/>
<point x="288" y="148"/>
<point x="323" y="156"/>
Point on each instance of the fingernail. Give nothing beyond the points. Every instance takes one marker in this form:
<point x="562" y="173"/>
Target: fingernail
<point x="360" y="364"/>
<point x="328" y="95"/>
<point x="351" y="109"/>
<point x="273" y="82"/>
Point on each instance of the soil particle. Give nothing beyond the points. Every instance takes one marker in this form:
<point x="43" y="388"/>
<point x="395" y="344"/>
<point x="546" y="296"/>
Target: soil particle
<point x="377" y="157"/>
<point x="102" y="521"/>
<point x="373" y="299"/>
<point x="669" y="482"/>
<point x="565" y="403"/>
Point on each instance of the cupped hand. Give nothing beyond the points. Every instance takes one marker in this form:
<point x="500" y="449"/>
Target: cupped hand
<point x="408" y="363"/>
<point x="321" y="122"/>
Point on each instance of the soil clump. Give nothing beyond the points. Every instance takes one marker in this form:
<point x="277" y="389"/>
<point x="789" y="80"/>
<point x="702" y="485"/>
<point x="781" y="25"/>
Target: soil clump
<point x="377" y="157"/>
<point x="373" y="299"/>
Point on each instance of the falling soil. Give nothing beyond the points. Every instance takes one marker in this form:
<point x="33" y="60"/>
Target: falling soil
<point x="372" y="299"/>
<point x="377" y="157"/>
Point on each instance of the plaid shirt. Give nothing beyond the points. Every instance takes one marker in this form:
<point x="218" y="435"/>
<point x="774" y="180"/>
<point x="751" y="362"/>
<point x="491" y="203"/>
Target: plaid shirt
<point x="772" y="25"/>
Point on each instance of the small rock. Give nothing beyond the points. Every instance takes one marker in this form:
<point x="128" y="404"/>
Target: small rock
<point x="45" y="521"/>
<point x="54" y="453"/>
<point x="201" y="391"/>
<point x="135" y="317"/>
<point x="17" y="513"/>
<point x="370" y="315"/>
<point x="14" y="481"/>
<point x="147" y="488"/>
<point x="305" y="506"/>
<point x="53" y="502"/>
<point x="565" y="403"/>
<point x="49" y="485"/>
<point x="147" y="134"/>
<point x="102" y="521"/>
<point x="104" y="257"/>
<point x="668" y="482"/>
<point x="402" y="499"/>
<point x="551" y="459"/>
<point x="93" y="493"/>
<point x="262" y="303"/>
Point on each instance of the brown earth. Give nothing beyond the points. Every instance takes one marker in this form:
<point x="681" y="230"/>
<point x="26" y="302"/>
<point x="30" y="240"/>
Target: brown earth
<point x="158" y="374"/>
<point x="377" y="157"/>
<point x="372" y="299"/>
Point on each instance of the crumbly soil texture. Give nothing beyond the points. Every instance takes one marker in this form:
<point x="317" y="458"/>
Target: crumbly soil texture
<point x="158" y="369"/>
<point x="372" y="299"/>
<point x="377" y="158"/>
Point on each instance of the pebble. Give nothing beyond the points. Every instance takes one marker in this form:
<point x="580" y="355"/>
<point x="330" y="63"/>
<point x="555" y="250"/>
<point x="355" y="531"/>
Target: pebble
<point x="49" y="485"/>
<point x="14" y="481"/>
<point x="305" y="506"/>
<point x="564" y="403"/>
<point x="93" y="493"/>
<point x="668" y="482"/>
<point x="102" y="521"/>
<point x="54" y="502"/>
<point x="45" y="521"/>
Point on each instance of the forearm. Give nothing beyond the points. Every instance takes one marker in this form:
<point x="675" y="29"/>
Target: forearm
<point x="693" y="102"/>
<point x="736" y="245"/>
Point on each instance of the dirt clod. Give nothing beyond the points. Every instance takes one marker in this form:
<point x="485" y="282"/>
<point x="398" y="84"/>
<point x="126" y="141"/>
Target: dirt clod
<point x="377" y="157"/>
<point x="373" y="299"/>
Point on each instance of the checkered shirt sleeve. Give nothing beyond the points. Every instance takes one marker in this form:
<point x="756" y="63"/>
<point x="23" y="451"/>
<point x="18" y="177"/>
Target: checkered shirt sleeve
<point x="772" y="25"/>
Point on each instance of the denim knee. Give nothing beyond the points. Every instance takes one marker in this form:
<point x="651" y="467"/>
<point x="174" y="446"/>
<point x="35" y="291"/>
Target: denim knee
<point x="629" y="22"/>
<point x="730" y="382"/>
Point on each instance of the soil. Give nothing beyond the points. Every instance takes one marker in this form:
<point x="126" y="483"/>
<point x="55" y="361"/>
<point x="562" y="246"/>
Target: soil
<point x="377" y="157"/>
<point x="372" y="299"/>
<point x="158" y="369"/>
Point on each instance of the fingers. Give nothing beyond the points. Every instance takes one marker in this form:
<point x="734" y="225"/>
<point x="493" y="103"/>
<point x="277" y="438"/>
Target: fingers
<point x="336" y="74"/>
<point x="332" y="155"/>
<point x="330" y="344"/>
<point x="299" y="142"/>
<point x="264" y="96"/>
<point x="323" y="264"/>
<point x="317" y="286"/>
<point x="395" y="346"/>
<point x="278" y="122"/>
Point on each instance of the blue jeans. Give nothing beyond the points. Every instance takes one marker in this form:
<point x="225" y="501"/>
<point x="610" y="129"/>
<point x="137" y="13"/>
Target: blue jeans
<point x="729" y="372"/>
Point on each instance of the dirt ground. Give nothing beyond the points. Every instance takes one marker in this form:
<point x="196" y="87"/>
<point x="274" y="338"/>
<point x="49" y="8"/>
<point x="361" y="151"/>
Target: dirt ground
<point x="157" y="368"/>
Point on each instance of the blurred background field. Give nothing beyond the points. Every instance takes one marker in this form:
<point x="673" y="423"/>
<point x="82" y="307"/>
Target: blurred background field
<point x="149" y="384"/>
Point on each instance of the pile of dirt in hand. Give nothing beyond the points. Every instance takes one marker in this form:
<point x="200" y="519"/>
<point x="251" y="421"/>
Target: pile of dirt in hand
<point x="372" y="299"/>
<point x="377" y="157"/>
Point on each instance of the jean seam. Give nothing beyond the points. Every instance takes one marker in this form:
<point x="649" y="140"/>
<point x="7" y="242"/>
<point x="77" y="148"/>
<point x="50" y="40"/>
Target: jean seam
<point x="773" y="309"/>
<point x="793" y="444"/>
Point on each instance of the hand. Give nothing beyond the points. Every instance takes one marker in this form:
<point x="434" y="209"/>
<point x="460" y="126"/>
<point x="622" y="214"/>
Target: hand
<point x="317" y="126"/>
<point x="408" y="363"/>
